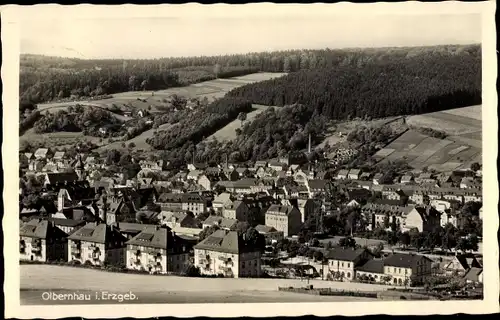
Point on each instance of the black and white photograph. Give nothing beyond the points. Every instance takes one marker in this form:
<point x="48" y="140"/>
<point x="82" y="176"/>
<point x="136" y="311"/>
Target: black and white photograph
<point x="222" y="154"/>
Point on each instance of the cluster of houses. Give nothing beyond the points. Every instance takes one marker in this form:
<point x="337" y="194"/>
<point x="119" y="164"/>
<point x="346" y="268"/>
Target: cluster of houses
<point x="153" y="221"/>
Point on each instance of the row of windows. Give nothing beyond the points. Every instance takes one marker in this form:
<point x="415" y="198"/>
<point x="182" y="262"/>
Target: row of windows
<point x="249" y="264"/>
<point x="397" y="270"/>
<point x="341" y="264"/>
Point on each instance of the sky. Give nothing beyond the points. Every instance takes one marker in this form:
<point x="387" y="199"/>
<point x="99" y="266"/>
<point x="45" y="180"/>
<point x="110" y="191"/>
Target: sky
<point x="154" y="37"/>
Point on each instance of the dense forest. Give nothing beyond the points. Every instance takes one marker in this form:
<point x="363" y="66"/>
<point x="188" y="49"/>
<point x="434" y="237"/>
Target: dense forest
<point x="411" y="85"/>
<point x="45" y="78"/>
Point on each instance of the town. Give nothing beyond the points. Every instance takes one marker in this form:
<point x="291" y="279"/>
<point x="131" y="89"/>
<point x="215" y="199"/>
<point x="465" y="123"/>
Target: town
<point x="278" y="218"/>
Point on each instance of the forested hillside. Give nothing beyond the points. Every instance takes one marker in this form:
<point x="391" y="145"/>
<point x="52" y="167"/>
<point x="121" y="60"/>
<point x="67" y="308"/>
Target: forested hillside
<point x="181" y="137"/>
<point x="406" y="85"/>
<point x="366" y="84"/>
<point x="46" y="78"/>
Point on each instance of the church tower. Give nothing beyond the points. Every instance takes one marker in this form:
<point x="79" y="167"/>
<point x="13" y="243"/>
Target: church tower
<point x="80" y="168"/>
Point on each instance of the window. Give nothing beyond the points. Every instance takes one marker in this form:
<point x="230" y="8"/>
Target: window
<point x="342" y="264"/>
<point x="348" y="265"/>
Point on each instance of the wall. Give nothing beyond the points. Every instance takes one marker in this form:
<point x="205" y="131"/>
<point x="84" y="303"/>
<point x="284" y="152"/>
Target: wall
<point x="31" y="255"/>
<point x="141" y="261"/>
<point x="86" y="252"/>
<point x="214" y="265"/>
<point x="345" y="267"/>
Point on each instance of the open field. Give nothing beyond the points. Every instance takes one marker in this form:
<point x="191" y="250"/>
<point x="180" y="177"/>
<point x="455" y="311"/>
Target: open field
<point x="459" y="150"/>
<point x="57" y="139"/>
<point x="454" y="121"/>
<point x="37" y="278"/>
<point x="143" y="100"/>
<point x="229" y="131"/>
<point x="211" y="89"/>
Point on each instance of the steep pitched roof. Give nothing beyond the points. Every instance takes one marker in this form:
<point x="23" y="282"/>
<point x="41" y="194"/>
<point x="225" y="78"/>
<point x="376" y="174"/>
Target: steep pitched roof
<point x="222" y="198"/>
<point x="473" y="274"/>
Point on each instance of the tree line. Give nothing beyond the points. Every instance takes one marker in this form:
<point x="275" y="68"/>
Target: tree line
<point x="413" y="85"/>
<point x="45" y="78"/>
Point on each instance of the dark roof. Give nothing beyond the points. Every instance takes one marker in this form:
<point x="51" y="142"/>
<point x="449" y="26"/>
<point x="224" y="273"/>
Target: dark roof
<point x="99" y="233"/>
<point x="62" y="177"/>
<point x="170" y="198"/>
<point x="264" y="229"/>
<point x="225" y="241"/>
<point x="468" y="261"/>
<point x="41" y="229"/>
<point x="155" y="237"/>
<point x="317" y="184"/>
<point x="402" y="260"/>
<point x="285" y="210"/>
<point x="372" y="265"/>
<point x="67" y="222"/>
<point x="344" y="254"/>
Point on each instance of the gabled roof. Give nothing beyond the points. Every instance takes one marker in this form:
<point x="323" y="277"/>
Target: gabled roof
<point x="222" y="198"/>
<point x="225" y="241"/>
<point x="402" y="260"/>
<point x="342" y="254"/>
<point x="473" y="274"/>
<point x="264" y="229"/>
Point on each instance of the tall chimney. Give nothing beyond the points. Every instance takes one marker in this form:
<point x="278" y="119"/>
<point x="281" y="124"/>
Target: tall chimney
<point x="309" y="145"/>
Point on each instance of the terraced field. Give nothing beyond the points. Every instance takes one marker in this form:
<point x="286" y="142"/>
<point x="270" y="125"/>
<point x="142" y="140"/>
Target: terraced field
<point x="460" y="149"/>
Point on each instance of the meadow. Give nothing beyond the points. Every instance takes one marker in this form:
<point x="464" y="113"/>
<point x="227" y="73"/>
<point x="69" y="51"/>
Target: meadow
<point x="212" y="89"/>
<point x="461" y="147"/>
